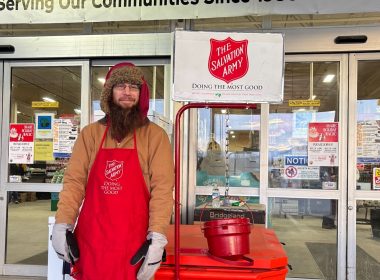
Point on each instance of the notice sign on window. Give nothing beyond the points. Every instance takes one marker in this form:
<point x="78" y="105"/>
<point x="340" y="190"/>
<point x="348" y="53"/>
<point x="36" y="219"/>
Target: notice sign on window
<point x="296" y="168"/>
<point x="65" y="135"/>
<point x="21" y="145"/>
<point x="228" y="67"/>
<point x="43" y="151"/>
<point x="301" y="172"/>
<point x="323" y="144"/>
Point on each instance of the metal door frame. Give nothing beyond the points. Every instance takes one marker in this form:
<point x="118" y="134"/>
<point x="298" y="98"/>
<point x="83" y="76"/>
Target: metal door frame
<point x="18" y="269"/>
<point x="86" y="64"/>
<point x="353" y="194"/>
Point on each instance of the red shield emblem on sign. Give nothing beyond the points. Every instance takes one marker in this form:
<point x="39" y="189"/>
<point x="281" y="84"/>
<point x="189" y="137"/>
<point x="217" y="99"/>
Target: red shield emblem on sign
<point x="228" y="59"/>
<point x="114" y="170"/>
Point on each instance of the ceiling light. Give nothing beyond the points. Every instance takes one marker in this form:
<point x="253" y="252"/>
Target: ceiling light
<point x="233" y="136"/>
<point x="273" y="121"/>
<point x="102" y="80"/>
<point x="328" y="78"/>
<point x="18" y="112"/>
<point x="77" y="111"/>
<point x="313" y="97"/>
<point x="48" y="99"/>
<point x="223" y="111"/>
<point x="232" y="132"/>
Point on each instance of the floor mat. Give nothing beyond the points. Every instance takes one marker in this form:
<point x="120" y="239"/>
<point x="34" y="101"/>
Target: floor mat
<point x="38" y="259"/>
<point x="324" y="255"/>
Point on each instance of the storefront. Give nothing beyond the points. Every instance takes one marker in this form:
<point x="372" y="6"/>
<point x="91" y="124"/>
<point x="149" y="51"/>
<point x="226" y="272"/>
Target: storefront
<point x="326" y="212"/>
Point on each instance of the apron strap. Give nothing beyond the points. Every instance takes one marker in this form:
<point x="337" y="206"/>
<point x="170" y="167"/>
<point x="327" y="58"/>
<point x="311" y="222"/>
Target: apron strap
<point x="104" y="135"/>
<point x="134" y="140"/>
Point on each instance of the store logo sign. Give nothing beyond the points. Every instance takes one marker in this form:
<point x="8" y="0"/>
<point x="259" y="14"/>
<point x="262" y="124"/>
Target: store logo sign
<point x="228" y="60"/>
<point x="114" y="170"/>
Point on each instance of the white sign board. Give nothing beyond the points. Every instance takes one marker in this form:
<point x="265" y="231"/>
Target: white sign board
<point x="62" y="11"/>
<point x="228" y="67"/>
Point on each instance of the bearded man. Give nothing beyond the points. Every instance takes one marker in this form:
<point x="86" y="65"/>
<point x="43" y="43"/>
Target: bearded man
<point x="118" y="187"/>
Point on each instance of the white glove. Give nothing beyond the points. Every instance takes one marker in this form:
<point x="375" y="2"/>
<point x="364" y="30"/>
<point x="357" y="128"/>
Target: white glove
<point x="58" y="239"/>
<point x="153" y="257"/>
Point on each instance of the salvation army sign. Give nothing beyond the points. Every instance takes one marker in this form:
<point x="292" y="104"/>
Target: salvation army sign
<point x="228" y="67"/>
<point x="228" y="59"/>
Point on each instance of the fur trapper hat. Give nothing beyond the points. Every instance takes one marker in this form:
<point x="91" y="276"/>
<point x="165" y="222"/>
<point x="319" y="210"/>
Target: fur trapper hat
<point x="125" y="73"/>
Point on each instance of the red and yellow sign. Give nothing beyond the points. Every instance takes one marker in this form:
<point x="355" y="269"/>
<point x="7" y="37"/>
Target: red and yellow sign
<point x="376" y="178"/>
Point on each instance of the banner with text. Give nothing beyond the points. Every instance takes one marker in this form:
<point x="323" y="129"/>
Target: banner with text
<point x="228" y="67"/>
<point x="64" y="11"/>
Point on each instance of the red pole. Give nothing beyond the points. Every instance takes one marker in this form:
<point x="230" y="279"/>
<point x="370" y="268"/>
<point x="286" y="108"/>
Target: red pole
<point x="177" y="167"/>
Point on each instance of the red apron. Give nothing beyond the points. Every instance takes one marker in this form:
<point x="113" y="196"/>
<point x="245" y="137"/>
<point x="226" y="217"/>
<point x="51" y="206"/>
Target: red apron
<point x="113" y="222"/>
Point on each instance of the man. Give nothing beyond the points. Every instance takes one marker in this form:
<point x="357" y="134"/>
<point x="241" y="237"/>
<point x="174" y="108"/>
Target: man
<point x="122" y="170"/>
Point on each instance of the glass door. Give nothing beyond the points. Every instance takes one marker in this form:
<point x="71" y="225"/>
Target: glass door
<point x="291" y="157"/>
<point x="306" y="193"/>
<point x="44" y="107"/>
<point x="364" y="167"/>
<point x="322" y="193"/>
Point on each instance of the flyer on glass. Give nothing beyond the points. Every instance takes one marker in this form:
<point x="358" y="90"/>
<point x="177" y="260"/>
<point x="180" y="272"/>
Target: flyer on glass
<point x="323" y="144"/>
<point x="21" y="143"/>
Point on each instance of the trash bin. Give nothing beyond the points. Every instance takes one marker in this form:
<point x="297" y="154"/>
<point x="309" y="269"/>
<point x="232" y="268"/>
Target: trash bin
<point x="375" y="222"/>
<point x="269" y="258"/>
<point x="54" y="201"/>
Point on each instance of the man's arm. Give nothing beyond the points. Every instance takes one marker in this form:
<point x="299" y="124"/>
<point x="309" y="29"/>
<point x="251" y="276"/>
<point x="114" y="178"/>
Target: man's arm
<point x="75" y="179"/>
<point x="161" y="172"/>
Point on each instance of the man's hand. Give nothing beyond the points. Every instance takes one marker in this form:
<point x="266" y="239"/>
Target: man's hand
<point x="153" y="257"/>
<point x="60" y="244"/>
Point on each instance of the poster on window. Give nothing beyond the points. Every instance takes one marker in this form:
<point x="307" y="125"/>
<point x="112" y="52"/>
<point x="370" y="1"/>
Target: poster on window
<point x="368" y="140"/>
<point x="65" y="135"/>
<point x="43" y="151"/>
<point x="44" y="125"/>
<point x="376" y="178"/>
<point x="301" y="119"/>
<point x="323" y="144"/>
<point x="21" y="143"/>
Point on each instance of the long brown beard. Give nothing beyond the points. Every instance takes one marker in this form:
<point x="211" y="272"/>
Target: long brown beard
<point x="124" y="121"/>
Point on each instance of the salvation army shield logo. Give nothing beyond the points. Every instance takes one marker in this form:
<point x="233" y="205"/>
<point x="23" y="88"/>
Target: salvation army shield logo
<point x="228" y="60"/>
<point x="113" y="170"/>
